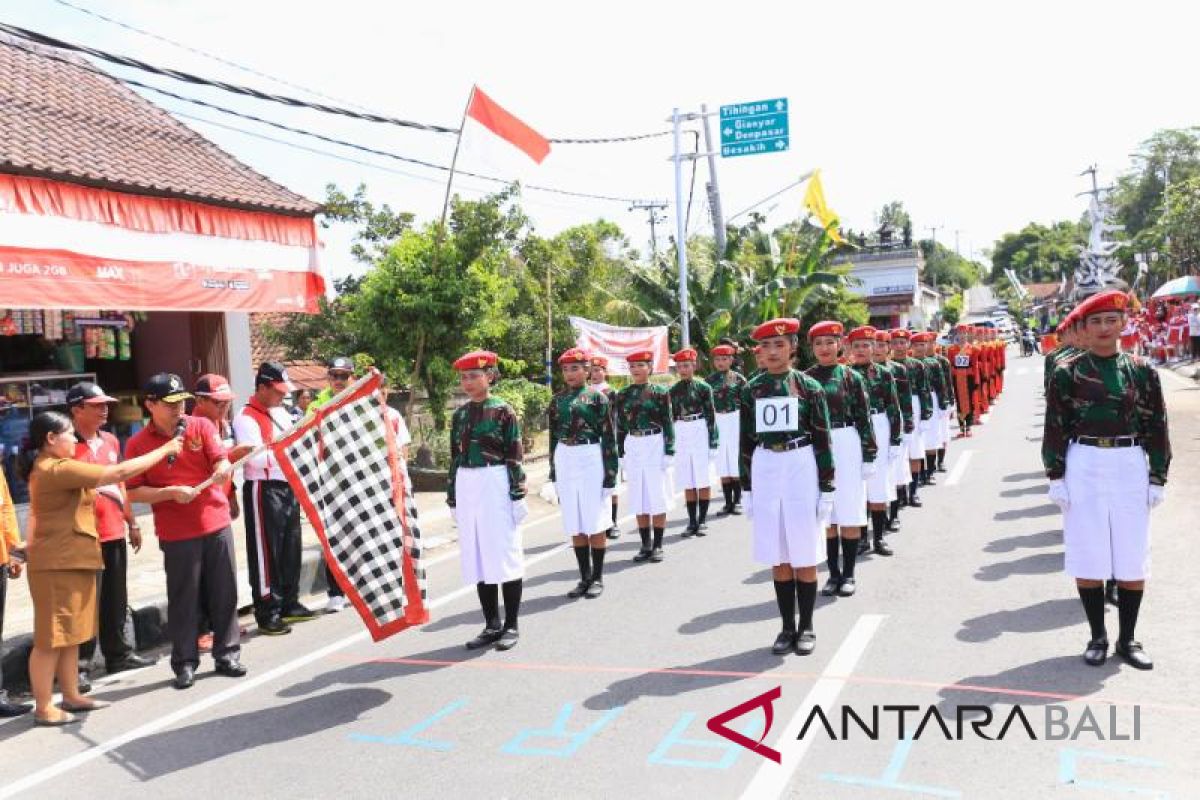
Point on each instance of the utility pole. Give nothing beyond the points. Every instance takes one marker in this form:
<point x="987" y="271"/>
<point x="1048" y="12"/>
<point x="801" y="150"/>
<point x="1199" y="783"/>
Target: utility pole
<point x="714" y="191"/>
<point x="680" y="233"/>
<point x="957" y="251"/>
<point x="651" y="207"/>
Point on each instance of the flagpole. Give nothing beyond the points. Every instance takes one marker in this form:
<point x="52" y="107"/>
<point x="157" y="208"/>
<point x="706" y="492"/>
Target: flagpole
<point x="454" y="159"/>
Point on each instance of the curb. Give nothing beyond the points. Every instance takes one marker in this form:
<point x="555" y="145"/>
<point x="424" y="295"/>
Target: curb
<point x="149" y="625"/>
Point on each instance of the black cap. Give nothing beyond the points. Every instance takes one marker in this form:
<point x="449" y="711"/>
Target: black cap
<point x="274" y="374"/>
<point x="87" y="392"/>
<point x="341" y="363"/>
<point x="166" y="387"/>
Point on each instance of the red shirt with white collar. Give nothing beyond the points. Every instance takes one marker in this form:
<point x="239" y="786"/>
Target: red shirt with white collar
<point x="202" y="449"/>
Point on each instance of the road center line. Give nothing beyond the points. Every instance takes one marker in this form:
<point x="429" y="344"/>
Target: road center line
<point x="960" y="467"/>
<point x="771" y="779"/>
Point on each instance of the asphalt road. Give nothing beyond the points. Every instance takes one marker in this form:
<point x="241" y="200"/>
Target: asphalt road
<point x="610" y="697"/>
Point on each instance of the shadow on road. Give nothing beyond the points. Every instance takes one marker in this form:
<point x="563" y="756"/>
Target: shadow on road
<point x="1024" y="490"/>
<point x="182" y="748"/>
<point x="1039" y="564"/>
<point x="1047" y="510"/>
<point x="760" y="612"/>
<point x="1037" y="618"/>
<point x="659" y="684"/>
<point x="529" y="607"/>
<point x="1060" y="677"/>
<point x="1011" y="543"/>
<point x="379" y="671"/>
<point x="762" y="576"/>
<point x="1024" y="476"/>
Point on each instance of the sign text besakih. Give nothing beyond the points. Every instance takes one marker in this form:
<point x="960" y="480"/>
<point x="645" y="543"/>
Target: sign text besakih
<point x="749" y="129"/>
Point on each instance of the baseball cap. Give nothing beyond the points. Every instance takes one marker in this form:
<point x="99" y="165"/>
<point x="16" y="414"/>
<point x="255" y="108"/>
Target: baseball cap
<point x="214" y="387"/>
<point x="275" y="374"/>
<point x="341" y="364"/>
<point x="87" y="392"/>
<point x="165" y="387"/>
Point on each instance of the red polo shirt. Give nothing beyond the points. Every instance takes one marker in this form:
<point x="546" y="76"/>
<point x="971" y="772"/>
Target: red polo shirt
<point x="105" y="451"/>
<point x="202" y="449"/>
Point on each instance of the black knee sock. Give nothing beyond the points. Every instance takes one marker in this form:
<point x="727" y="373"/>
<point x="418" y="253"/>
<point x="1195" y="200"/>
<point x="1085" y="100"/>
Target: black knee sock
<point x="598" y="563"/>
<point x="658" y="537"/>
<point x="512" y="602"/>
<point x="893" y="510"/>
<point x="1129" y="601"/>
<point x="489" y="601"/>
<point x="806" y="595"/>
<point x="727" y="490"/>
<point x="941" y="457"/>
<point x="785" y="598"/>
<point x="878" y="523"/>
<point x="583" y="555"/>
<point x="691" y="509"/>
<point x="644" y="533"/>
<point x="704" y="501"/>
<point x="849" y="556"/>
<point x="831" y="557"/>
<point x="912" y="488"/>
<point x="930" y="463"/>
<point x="614" y="510"/>
<point x="737" y="492"/>
<point x="1093" y="607"/>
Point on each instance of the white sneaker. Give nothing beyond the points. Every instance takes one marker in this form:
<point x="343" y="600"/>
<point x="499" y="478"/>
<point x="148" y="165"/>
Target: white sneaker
<point x="335" y="604"/>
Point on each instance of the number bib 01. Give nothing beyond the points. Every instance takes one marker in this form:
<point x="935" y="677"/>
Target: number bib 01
<point x="776" y="414"/>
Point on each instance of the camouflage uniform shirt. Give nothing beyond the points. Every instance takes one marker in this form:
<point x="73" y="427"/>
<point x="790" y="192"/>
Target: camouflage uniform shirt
<point x="846" y="396"/>
<point x="813" y="421"/>
<point x="918" y="384"/>
<point x="881" y="392"/>
<point x="486" y="434"/>
<point x="903" y="391"/>
<point x="727" y="390"/>
<point x="581" y="416"/>
<point x="691" y="397"/>
<point x="642" y="407"/>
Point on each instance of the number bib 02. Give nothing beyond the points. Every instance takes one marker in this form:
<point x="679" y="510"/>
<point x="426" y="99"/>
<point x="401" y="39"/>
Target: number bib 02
<point x="962" y="361"/>
<point x="776" y="414"/>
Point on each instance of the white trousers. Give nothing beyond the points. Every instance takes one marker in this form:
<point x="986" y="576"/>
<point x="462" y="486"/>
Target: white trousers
<point x="692" y="461"/>
<point x="1106" y="529"/>
<point x="947" y="415"/>
<point x="850" y="490"/>
<point x="881" y="488"/>
<point x="579" y="482"/>
<point x="932" y="437"/>
<point x="900" y="470"/>
<point x="489" y="544"/>
<point x="916" y="442"/>
<point x="784" y="496"/>
<point x="647" y="481"/>
<point x="729" y="433"/>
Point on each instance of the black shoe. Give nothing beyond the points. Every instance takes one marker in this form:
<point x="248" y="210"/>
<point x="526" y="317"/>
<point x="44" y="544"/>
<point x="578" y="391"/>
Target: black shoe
<point x="297" y="613"/>
<point x="1096" y="653"/>
<point x="929" y="480"/>
<point x="784" y="643"/>
<point x="579" y="590"/>
<point x="701" y="526"/>
<point x="508" y="639"/>
<point x="727" y="509"/>
<point x="831" y="586"/>
<point x="806" y="642"/>
<point x="915" y="502"/>
<point x="1134" y="655"/>
<point x="847" y="588"/>
<point x="893" y="525"/>
<point x="230" y="667"/>
<point x="736" y="509"/>
<point x="940" y="468"/>
<point x="656" y="555"/>
<point x="1110" y="592"/>
<point x="85" y="682"/>
<point x="8" y="709"/>
<point x="881" y="549"/>
<point x="613" y="532"/>
<point x="864" y="545"/>
<point x="273" y="626"/>
<point x="688" y="532"/>
<point x="594" y="590"/>
<point x="641" y="555"/>
<point x="128" y="662"/>
<point x="486" y="638"/>
<point x="701" y="530"/>
<point x="185" y="677"/>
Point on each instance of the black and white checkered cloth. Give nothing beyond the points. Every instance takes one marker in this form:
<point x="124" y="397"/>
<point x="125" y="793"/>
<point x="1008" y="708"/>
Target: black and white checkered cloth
<point x="343" y="465"/>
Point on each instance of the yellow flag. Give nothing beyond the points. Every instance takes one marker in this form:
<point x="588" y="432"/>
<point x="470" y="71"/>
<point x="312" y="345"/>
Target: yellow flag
<point x="814" y="201"/>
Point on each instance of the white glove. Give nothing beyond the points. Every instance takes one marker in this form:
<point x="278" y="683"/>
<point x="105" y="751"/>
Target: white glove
<point x="1157" y="495"/>
<point x="1058" y="494"/>
<point x="548" y="493"/>
<point x="894" y="454"/>
<point x="825" y="509"/>
<point x="868" y="469"/>
<point x="748" y="504"/>
<point x="520" y="510"/>
<point x="454" y="515"/>
<point x="606" y="493"/>
<point x="713" y="452"/>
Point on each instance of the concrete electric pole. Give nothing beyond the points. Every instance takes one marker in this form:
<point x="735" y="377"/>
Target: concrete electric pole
<point x="651" y="207"/>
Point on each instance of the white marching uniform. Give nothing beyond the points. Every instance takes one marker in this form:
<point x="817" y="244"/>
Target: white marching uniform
<point x="785" y="498"/>
<point x="916" y="440"/>
<point x="692" y="460"/>
<point x="900" y="468"/>
<point x="932" y="437"/>
<point x="729" y="433"/>
<point x="579" y="483"/>
<point x="881" y="487"/>
<point x="490" y="547"/>
<point x="1106" y="528"/>
<point x="850" y="490"/>
<point x="647" y="479"/>
<point x="947" y="414"/>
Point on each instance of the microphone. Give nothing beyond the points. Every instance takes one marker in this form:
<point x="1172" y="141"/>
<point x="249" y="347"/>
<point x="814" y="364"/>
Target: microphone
<point x="180" y="429"/>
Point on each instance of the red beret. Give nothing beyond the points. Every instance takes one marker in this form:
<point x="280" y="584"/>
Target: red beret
<point x="599" y="361"/>
<point x="686" y="354"/>
<point x="776" y="327"/>
<point x="723" y="350"/>
<point x="900" y="333"/>
<point x="861" y="332"/>
<point x="883" y="336"/>
<point x="1109" y="300"/>
<point x="476" y="359"/>
<point x="575" y="355"/>
<point x="641" y="355"/>
<point x="924" y="337"/>
<point x="825" y="328"/>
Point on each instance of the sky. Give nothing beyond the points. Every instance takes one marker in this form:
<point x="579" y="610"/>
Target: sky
<point x="978" y="116"/>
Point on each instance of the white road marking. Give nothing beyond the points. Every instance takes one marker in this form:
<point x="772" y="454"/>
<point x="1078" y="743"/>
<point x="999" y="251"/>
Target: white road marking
<point x="960" y="467"/>
<point x="1176" y="378"/>
<point x="771" y="779"/>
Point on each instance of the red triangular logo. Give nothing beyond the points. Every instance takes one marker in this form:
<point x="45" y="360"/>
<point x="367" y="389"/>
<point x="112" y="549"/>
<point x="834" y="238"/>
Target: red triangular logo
<point x="765" y="701"/>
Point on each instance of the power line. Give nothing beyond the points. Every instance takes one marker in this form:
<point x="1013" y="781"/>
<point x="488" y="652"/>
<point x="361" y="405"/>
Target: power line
<point x="293" y="102"/>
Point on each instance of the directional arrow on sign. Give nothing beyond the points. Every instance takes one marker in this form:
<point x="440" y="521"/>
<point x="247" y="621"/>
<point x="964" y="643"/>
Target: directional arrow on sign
<point x="728" y="131"/>
<point x="780" y="105"/>
<point x="780" y="144"/>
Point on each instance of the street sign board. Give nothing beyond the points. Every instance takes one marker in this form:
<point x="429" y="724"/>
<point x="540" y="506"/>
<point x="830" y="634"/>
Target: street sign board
<point x="749" y="129"/>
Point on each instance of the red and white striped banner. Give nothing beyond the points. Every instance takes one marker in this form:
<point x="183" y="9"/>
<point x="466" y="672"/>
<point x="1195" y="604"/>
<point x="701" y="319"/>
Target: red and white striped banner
<point x="62" y="244"/>
<point x="616" y="343"/>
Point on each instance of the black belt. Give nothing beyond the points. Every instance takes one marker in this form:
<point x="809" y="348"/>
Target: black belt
<point x="1109" y="441"/>
<point x="577" y="442"/>
<point x="841" y="425"/>
<point x="645" y="432"/>
<point x="790" y="444"/>
<point x="878" y="410"/>
<point x="690" y="418"/>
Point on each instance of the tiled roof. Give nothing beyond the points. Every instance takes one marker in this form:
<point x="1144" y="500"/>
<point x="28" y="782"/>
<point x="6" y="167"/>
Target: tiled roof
<point x="1040" y="291"/>
<point x="61" y="117"/>
<point x="305" y="373"/>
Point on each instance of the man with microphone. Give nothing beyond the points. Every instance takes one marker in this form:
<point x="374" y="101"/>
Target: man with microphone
<point x="193" y="528"/>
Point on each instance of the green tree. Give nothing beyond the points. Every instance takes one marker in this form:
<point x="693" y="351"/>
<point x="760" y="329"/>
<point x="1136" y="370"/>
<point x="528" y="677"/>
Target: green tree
<point x="1180" y="225"/>
<point x="946" y="269"/>
<point x="328" y="333"/>
<point x="952" y="309"/>
<point x="1038" y="253"/>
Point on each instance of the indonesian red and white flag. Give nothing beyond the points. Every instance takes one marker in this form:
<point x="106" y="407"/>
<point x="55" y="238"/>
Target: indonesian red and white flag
<point x="64" y="244"/>
<point x="344" y="465"/>
<point x="491" y="115"/>
<point x="616" y="344"/>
